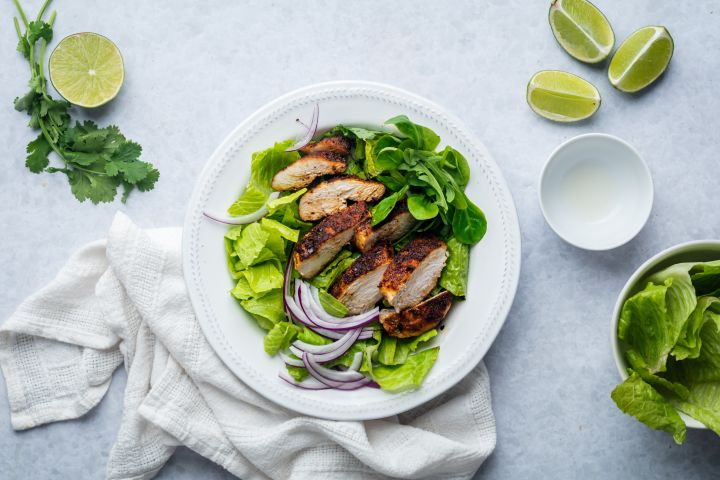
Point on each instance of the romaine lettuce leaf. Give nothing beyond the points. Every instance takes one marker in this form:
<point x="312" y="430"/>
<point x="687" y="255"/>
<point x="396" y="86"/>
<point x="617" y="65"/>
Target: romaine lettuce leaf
<point x="662" y="307"/>
<point x="284" y="231"/>
<point x="706" y="278"/>
<point x="333" y="270"/>
<point x="642" y="401"/>
<point x="274" y="205"/>
<point x="279" y="337"/>
<point x="267" y="309"/>
<point x="409" y="375"/>
<point x="265" y="164"/>
<point x="252" y="240"/>
<point x="331" y="305"/>
<point x="263" y="277"/>
<point x="250" y="201"/>
<point x="454" y="276"/>
<point x="263" y="167"/>
<point x="689" y="343"/>
<point x="395" y="351"/>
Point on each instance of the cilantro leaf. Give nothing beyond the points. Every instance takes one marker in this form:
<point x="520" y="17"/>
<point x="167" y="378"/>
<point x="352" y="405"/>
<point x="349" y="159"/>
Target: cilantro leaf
<point x="38" y="29"/>
<point x="96" y="160"/>
<point x="38" y="151"/>
<point x="86" y="186"/>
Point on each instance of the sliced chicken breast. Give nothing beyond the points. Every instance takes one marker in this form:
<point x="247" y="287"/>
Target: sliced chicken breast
<point x="337" y="144"/>
<point x="414" y="272"/>
<point x="358" y="288"/>
<point x="304" y="170"/>
<point x="418" y="319"/>
<point x="323" y="242"/>
<point x="331" y="196"/>
<point x="397" y="224"/>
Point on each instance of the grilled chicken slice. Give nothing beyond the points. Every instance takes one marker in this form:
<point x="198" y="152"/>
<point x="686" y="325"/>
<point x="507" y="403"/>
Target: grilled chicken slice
<point x="337" y="144"/>
<point x="397" y="224"/>
<point x="331" y="196"/>
<point x="323" y="242"/>
<point x="418" y="319"/>
<point x="414" y="272"/>
<point x="358" y="288"/>
<point x="304" y="170"/>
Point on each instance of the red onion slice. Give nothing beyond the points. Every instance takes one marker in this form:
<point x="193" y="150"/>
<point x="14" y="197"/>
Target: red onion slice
<point x="357" y="361"/>
<point x="342" y="346"/>
<point x="312" y="128"/>
<point x="346" y="341"/>
<point x="293" y="362"/>
<point x="243" y="219"/>
<point x="303" y="298"/>
<point x="308" y="384"/>
<point x="345" y="380"/>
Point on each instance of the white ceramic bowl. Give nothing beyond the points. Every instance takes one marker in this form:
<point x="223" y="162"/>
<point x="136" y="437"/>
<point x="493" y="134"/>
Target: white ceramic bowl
<point x="596" y="192"/>
<point x="696" y="251"/>
<point x="472" y="324"/>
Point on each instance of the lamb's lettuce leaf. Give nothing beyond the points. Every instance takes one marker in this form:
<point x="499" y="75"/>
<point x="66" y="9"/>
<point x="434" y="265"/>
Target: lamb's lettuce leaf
<point x="420" y="138"/>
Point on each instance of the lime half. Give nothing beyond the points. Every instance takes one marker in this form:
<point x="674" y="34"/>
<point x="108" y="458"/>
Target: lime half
<point x="641" y="59"/>
<point x="562" y="96"/>
<point x="87" y="69"/>
<point x="581" y="29"/>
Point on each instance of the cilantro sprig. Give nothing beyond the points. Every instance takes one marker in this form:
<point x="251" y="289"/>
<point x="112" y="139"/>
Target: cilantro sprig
<point x="96" y="160"/>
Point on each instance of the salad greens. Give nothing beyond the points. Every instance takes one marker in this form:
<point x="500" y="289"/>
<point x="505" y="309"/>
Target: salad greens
<point x="95" y="160"/>
<point x="407" y="164"/>
<point x="671" y="334"/>
<point x="434" y="182"/>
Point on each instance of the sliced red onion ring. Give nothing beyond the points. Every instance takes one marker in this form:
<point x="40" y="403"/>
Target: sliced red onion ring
<point x="308" y="384"/>
<point x="243" y="219"/>
<point x="303" y="298"/>
<point x="357" y="361"/>
<point x="349" y="338"/>
<point x="342" y="346"/>
<point x="293" y="362"/>
<point x="341" y="380"/>
<point x="312" y="128"/>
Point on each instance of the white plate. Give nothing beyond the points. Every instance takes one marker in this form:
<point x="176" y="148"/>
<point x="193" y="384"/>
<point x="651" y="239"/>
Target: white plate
<point x="471" y="326"/>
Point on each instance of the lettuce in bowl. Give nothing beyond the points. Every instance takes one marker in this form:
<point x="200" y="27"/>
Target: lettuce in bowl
<point x="668" y="340"/>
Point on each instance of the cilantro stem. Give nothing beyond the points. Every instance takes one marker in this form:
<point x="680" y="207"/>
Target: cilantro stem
<point x="20" y="11"/>
<point x="17" y="29"/>
<point x="42" y="10"/>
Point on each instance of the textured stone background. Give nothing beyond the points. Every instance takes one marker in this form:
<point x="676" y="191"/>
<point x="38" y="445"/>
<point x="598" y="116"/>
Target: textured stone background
<point x="196" y="69"/>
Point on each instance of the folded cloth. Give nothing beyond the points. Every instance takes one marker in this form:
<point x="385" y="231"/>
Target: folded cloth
<point x="124" y="300"/>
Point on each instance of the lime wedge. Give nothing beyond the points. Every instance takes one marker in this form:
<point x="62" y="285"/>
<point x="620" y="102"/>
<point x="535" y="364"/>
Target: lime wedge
<point x="581" y="29"/>
<point x="562" y="96"/>
<point x="86" y="69"/>
<point x="641" y="59"/>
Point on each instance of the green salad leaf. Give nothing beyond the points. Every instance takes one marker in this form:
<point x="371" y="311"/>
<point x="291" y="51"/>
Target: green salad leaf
<point x="334" y="269"/>
<point x="409" y="375"/>
<point x="279" y="337"/>
<point x="670" y="332"/>
<point x="263" y="167"/>
<point x="454" y="276"/>
<point x="382" y="209"/>
<point x="395" y="351"/>
<point x="637" y="398"/>
<point x="421" y="138"/>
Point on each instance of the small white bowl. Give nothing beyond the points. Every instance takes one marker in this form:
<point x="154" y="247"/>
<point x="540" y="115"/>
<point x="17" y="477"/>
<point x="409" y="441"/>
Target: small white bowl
<point x="596" y="192"/>
<point x="696" y="251"/>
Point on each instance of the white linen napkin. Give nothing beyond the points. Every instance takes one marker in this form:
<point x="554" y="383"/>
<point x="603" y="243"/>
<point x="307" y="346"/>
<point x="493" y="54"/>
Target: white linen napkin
<point x="124" y="300"/>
